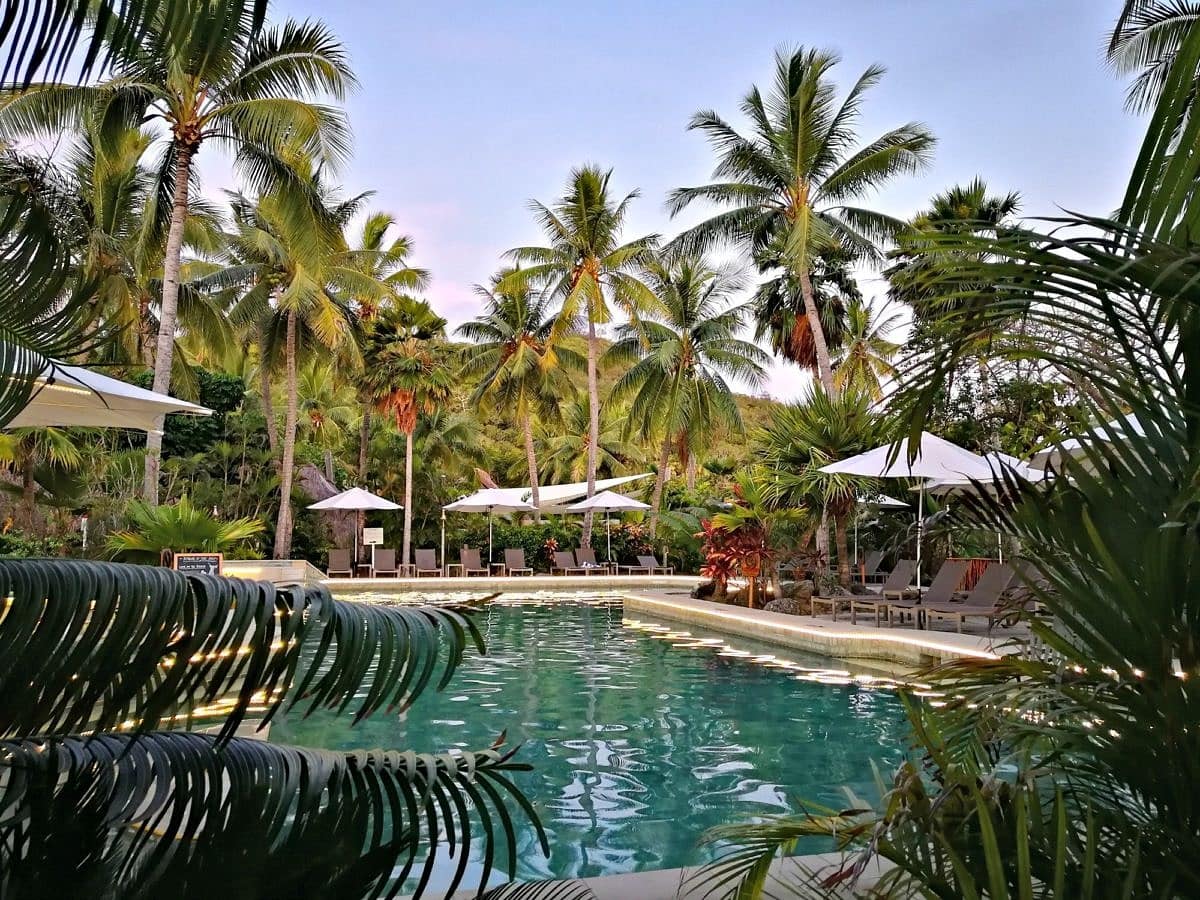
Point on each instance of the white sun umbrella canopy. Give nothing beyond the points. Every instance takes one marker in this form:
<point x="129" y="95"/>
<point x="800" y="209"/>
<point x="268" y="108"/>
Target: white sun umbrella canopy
<point x="66" y="396"/>
<point x="607" y="501"/>
<point x="879" y="501"/>
<point x="355" y="500"/>
<point x="937" y="459"/>
<point x="1116" y="430"/>
<point x="490" y="501"/>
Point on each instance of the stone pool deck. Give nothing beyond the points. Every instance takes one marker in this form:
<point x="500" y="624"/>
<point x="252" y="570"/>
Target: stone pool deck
<point x="823" y="636"/>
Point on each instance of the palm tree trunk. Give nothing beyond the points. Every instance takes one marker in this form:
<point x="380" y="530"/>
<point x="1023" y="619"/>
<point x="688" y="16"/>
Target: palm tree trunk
<point x="329" y="473"/>
<point x="406" y="552"/>
<point x="28" y="491"/>
<point x="164" y="355"/>
<point x="660" y="482"/>
<point x="843" y="549"/>
<point x="264" y="388"/>
<point x="820" y="346"/>
<point x="593" y="427"/>
<point x="531" y="461"/>
<point x="283" y="524"/>
<point x="692" y="466"/>
<point x="364" y="439"/>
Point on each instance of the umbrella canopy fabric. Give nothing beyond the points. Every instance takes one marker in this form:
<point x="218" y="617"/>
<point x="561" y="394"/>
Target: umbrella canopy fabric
<point x="552" y="498"/>
<point x="1115" y="430"/>
<point x="73" y="396"/>
<point x="882" y="501"/>
<point x="355" y="499"/>
<point x="499" y="500"/>
<point x="999" y="463"/>
<point x="937" y="459"/>
<point x="607" y="501"/>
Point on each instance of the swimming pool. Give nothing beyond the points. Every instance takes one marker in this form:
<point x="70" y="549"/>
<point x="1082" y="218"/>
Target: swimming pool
<point x="641" y="737"/>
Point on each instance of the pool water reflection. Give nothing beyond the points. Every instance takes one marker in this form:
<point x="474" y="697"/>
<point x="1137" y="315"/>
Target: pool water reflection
<point x="640" y="738"/>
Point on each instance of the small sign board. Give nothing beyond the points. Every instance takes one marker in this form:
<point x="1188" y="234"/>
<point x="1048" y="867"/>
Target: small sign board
<point x="199" y="563"/>
<point x="372" y="536"/>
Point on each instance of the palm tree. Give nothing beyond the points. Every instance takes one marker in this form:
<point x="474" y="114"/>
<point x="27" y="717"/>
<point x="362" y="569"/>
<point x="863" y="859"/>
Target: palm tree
<point x="587" y="268"/>
<point x="328" y="407"/>
<point x="517" y="361"/>
<point x="1145" y="42"/>
<point x="386" y="262"/>
<point x="564" y="451"/>
<point x="24" y="449"/>
<point x="214" y="80"/>
<point x="683" y="354"/>
<point x="919" y="275"/>
<point x="868" y="354"/>
<point x="178" y="527"/>
<point x="291" y="262"/>
<point x="815" y="432"/>
<point x="407" y="374"/>
<point x="788" y="187"/>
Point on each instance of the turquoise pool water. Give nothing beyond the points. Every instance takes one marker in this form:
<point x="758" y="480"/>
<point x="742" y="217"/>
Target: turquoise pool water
<point x="641" y="737"/>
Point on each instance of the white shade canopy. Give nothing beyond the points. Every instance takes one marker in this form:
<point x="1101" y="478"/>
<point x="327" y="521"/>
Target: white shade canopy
<point x="882" y="501"/>
<point x="552" y="498"/>
<point x="1115" y="430"/>
<point x="66" y="396"/>
<point x="607" y="501"/>
<point x="490" y="500"/>
<point x="355" y="499"/>
<point x="1000" y="463"/>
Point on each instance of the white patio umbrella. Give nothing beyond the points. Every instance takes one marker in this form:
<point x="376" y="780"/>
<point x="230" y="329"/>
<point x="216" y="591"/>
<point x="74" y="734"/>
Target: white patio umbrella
<point x="355" y="500"/>
<point x="64" y="396"/>
<point x="1115" y="430"/>
<point x="490" y="501"/>
<point x="937" y="459"/>
<point x="607" y="501"/>
<point x="879" y="501"/>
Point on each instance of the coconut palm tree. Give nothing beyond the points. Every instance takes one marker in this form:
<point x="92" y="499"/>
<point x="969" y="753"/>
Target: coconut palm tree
<point x="407" y="373"/>
<point x="563" y="452"/>
<point x="867" y="355"/>
<point x="815" y="432"/>
<point x="386" y="261"/>
<point x="683" y="355"/>
<point x="328" y="408"/>
<point x="1145" y="43"/>
<point x="788" y="187"/>
<point x="291" y="267"/>
<point x="589" y="270"/>
<point x="517" y="360"/>
<point x="214" y="80"/>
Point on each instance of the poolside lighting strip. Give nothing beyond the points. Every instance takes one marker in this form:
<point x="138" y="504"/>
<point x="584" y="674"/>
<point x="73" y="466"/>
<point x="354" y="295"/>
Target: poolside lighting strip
<point x="808" y="631"/>
<point x="685" y="640"/>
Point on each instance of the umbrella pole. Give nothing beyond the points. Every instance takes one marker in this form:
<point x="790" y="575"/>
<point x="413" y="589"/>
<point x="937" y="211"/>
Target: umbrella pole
<point x="608" y="529"/>
<point x="920" y="534"/>
<point x="489" y="539"/>
<point x="443" y="540"/>
<point x="1000" y="545"/>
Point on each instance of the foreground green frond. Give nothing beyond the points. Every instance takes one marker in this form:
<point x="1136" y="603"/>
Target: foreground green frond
<point x="109" y="645"/>
<point x="177" y="814"/>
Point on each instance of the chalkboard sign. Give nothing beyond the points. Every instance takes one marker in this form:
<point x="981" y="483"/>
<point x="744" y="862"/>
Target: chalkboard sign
<point x="199" y="563"/>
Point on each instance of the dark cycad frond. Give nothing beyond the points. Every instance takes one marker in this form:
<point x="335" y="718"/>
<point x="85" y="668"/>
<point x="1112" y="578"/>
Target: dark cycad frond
<point x="177" y="814"/>
<point x="109" y="644"/>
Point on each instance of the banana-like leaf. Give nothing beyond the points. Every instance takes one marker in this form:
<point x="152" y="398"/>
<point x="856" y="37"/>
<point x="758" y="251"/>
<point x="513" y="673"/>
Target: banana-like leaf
<point x="173" y="814"/>
<point x="91" y="646"/>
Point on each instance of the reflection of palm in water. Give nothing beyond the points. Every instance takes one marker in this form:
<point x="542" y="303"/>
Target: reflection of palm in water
<point x="637" y="746"/>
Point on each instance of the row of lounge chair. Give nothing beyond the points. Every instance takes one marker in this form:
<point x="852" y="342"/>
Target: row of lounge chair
<point x="566" y="562"/>
<point x="942" y="600"/>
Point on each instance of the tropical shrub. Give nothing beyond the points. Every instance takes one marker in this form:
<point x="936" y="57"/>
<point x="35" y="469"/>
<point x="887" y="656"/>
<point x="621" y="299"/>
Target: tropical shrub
<point x="178" y="527"/>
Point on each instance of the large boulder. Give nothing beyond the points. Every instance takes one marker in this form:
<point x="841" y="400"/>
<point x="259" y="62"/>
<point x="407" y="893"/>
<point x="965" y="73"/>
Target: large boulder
<point x="800" y="590"/>
<point x="789" y="605"/>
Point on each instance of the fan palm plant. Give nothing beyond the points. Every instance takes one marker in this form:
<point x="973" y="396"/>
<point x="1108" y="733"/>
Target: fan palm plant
<point x="683" y="355"/>
<point x="518" y="361"/>
<point x="212" y="80"/>
<point x="589" y="269"/>
<point x="804" y="436"/>
<point x="789" y="187"/>
<point x="408" y="374"/>
<point x="106" y="789"/>
<point x="177" y="527"/>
